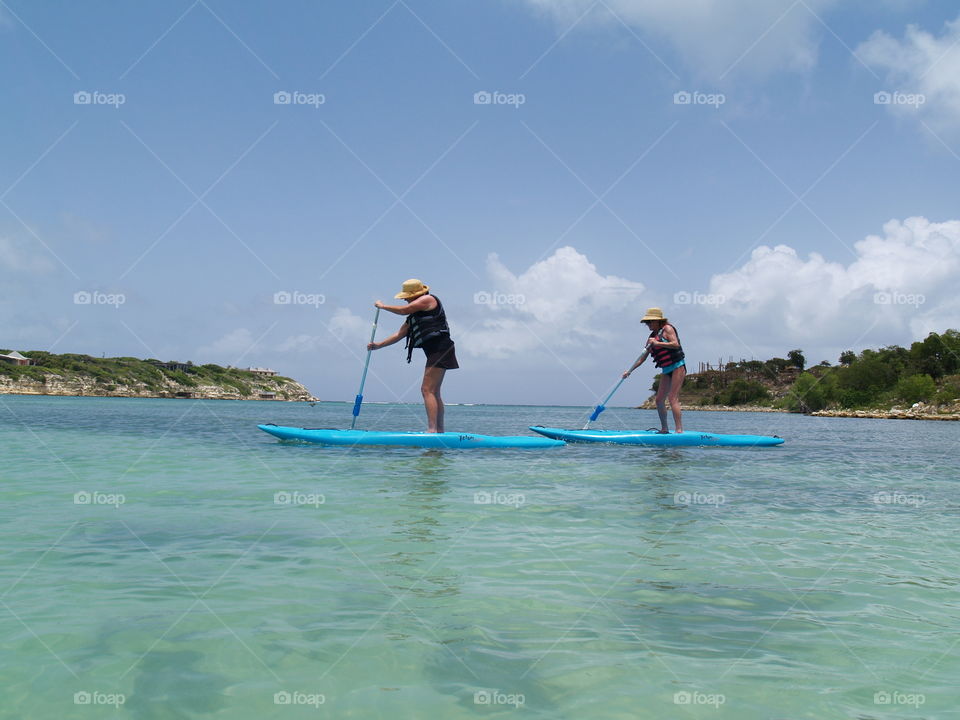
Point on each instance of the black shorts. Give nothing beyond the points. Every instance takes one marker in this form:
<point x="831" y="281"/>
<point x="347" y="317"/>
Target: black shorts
<point x="441" y="353"/>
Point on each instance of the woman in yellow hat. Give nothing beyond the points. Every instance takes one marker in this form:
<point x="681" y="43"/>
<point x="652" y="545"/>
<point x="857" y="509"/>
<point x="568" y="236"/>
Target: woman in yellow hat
<point x="664" y="344"/>
<point x="425" y="327"/>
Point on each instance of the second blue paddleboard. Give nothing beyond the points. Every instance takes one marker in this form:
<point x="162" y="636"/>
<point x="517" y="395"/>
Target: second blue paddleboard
<point x="652" y="437"/>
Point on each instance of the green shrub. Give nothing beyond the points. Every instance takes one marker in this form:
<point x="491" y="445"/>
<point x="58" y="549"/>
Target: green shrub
<point x="740" y="392"/>
<point x="808" y="394"/>
<point x="916" y="388"/>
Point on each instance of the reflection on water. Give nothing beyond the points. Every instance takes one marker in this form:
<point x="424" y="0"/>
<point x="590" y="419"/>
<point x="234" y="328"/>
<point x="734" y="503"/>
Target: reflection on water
<point x="419" y="531"/>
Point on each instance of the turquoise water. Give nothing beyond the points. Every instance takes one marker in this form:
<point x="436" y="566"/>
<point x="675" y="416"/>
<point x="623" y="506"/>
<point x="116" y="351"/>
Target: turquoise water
<point x="813" y="580"/>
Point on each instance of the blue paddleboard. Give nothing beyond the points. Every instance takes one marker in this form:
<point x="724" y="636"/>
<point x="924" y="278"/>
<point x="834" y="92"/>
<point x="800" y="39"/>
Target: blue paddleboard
<point x="652" y="437"/>
<point x="451" y="440"/>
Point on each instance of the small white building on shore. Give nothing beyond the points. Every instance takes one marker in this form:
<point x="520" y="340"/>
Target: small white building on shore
<point x="15" y="358"/>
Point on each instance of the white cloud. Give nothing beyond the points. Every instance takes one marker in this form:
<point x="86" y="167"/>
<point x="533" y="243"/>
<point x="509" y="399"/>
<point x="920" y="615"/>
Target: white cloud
<point x="229" y="348"/>
<point x="903" y="283"/>
<point x="344" y="330"/>
<point x="17" y="259"/>
<point x="557" y="303"/>
<point x="921" y="64"/>
<point x="758" y="36"/>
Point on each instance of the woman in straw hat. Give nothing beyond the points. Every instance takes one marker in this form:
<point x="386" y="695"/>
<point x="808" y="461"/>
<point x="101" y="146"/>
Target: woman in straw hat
<point x="425" y="327"/>
<point x="664" y="344"/>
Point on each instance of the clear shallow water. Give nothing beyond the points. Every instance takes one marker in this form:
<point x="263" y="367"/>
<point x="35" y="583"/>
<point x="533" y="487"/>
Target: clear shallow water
<point x="813" y="580"/>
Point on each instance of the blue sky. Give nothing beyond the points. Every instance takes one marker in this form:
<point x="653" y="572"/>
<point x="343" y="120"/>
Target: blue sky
<point x="783" y="207"/>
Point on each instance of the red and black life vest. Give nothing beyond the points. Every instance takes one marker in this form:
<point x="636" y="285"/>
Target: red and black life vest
<point x="425" y="325"/>
<point x="662" y="356"/>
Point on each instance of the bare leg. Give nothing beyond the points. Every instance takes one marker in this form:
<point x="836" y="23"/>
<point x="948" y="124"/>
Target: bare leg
<point x="432" y="402"/>
<point x="677" y="381"/>
<point x="662" y="389"/>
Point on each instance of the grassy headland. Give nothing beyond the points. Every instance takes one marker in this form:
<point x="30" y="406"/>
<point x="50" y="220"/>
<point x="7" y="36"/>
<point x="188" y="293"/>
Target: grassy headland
<point x="71" y="374"/>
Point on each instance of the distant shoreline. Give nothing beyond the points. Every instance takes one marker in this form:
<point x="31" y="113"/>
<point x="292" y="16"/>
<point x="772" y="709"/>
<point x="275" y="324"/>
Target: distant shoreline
<point x="8" y="393"/>
<point x="924" y="413"/>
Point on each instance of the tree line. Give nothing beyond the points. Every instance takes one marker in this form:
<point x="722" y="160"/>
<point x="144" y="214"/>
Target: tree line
<point x="926" y="372"/>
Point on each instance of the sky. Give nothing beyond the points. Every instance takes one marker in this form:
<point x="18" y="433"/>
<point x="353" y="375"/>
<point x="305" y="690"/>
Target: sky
<point x="237" y="182"/>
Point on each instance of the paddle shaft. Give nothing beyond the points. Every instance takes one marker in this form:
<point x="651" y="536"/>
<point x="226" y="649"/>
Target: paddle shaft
<point x="602" y="406"/>
<point x="363" y="379"/>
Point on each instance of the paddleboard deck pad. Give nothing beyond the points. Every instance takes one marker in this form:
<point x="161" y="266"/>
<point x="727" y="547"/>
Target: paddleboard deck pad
<point x="450" y="440"/>
<point x="652" y="437"/>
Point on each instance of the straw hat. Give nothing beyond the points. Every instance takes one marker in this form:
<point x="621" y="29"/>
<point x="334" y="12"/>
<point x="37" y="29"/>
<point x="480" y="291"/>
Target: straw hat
<point x="654" y="314"/>
<point x="412" y="288"/>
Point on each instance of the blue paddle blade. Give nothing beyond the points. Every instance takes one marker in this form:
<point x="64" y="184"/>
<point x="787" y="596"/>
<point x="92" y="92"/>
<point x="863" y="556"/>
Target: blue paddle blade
<point x="596" y="413"/>
<point x="356" y="405"/>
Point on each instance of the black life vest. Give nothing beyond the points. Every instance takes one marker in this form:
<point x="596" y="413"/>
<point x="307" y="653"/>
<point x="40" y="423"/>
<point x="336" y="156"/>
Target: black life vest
<point x="426" y="325"/>
<point x="664" y="357"/>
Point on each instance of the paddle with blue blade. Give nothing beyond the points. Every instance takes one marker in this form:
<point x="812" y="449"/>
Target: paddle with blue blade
<point x="359" y="399"/>
<point x="603" y="405"/>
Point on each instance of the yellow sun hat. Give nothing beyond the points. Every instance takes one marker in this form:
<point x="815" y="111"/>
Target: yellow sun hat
<point x="654" y="313"/>
<point x="412" y="288"/>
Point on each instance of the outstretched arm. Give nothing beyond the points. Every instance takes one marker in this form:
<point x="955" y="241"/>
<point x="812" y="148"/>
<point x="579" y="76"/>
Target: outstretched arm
<point x="396" y="337"/>
<point x="638" y="363"/>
